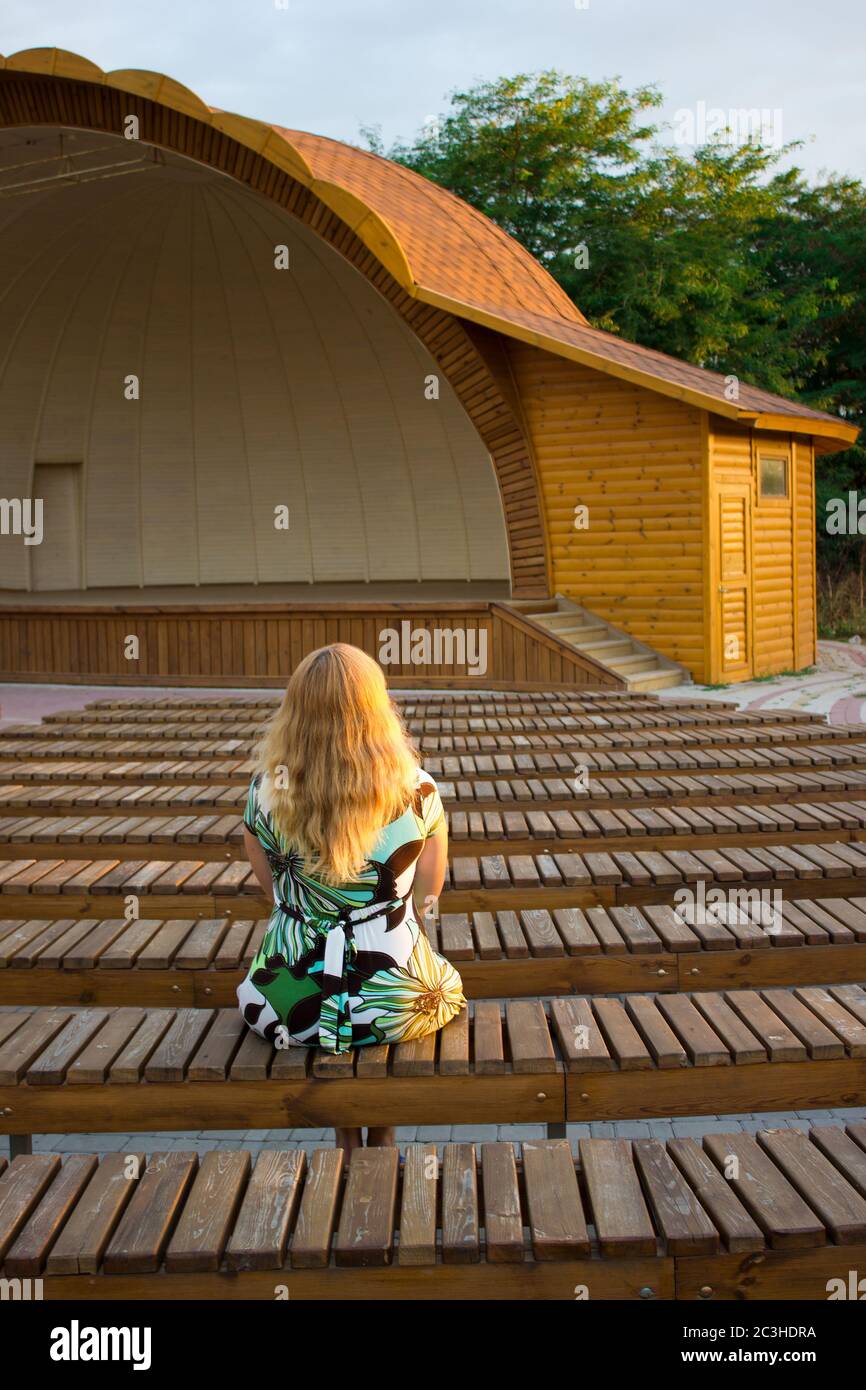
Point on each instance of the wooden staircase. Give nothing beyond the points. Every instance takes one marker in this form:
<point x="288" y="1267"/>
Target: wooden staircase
<point x="639" y="665"/>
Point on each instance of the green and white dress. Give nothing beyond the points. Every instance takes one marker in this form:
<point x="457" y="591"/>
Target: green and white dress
<point x="346" y="966"/>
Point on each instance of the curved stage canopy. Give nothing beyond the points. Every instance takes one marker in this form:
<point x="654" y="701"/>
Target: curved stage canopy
<point x="408" y="386"/>
<point x="258" y="388"/>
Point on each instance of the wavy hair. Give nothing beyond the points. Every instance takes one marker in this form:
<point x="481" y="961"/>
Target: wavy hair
<point x="336" y="761"/>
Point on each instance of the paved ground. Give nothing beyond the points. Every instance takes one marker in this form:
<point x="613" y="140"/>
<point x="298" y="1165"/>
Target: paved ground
<point x="27" y="704"/>
<point x="309" y="1139"/>
<point x="837" y="690"/>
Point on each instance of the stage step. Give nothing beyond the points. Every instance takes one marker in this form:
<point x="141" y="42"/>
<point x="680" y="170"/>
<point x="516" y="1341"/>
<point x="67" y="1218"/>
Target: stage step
<point x="643" y="668"/>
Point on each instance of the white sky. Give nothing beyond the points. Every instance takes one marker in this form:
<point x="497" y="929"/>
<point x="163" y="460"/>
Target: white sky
<point x="330" y="66"/>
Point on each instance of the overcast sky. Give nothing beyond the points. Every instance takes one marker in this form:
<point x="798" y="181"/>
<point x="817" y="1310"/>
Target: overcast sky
<point x="330" y="66"/>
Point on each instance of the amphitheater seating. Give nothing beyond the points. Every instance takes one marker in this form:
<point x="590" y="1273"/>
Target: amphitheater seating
<point x="128" y="915"/>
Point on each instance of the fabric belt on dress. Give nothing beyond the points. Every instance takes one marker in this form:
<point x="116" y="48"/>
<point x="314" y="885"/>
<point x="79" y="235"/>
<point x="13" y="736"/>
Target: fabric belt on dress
<point x="335" y="1021"/>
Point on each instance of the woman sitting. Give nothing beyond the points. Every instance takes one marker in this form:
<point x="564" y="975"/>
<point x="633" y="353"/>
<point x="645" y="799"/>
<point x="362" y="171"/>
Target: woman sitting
<point x="347" y="835"/>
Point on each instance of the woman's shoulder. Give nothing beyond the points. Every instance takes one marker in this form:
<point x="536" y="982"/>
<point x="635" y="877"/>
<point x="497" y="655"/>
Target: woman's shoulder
<point x="427" y="801"/>
<point x="258" y="797"/>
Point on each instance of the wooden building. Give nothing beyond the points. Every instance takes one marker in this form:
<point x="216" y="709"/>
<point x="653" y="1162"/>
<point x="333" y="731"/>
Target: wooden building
<point x="259" y="377"/>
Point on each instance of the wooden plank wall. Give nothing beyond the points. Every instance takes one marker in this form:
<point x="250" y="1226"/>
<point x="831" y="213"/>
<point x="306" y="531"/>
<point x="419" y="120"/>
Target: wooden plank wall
<point x="259" y="645"/>
<point x="635" y="458"/>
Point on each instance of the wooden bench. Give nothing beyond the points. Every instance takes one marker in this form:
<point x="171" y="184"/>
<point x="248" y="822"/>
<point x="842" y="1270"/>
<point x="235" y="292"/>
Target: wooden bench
<point x="132" y="1069"/>
<point x="657" y="725"/>
<point x="576" y="729"/>
<point x="511" y="830"/>
<point x="614" y="704"/>
<point x="603" y="766"/>
<point x="75" y="881"/>
<point x="201" y="961"/>
<point x="633" y="1219"/>
<point x="538" y="790"/>
<point x="182" y="740"/>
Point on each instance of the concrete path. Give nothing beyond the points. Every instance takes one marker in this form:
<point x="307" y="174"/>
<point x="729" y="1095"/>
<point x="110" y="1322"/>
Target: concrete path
<point x="836" y="689"/>
<point x="310" y="1139"/>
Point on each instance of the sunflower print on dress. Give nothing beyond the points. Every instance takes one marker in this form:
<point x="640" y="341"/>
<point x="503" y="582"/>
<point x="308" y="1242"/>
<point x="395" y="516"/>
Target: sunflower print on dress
<point x="349" y="966"/>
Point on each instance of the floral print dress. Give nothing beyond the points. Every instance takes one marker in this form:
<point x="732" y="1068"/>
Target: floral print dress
<point x="342" y="967"/>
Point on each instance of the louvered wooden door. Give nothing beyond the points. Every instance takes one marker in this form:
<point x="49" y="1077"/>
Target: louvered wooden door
<point x="734" y="591"/>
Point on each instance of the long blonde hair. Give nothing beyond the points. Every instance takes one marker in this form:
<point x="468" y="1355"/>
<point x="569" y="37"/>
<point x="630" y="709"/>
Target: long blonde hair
<point x="338" y="762"/>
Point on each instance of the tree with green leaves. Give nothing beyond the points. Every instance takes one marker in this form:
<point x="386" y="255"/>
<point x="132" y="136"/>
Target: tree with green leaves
<point x="714" y="254"/>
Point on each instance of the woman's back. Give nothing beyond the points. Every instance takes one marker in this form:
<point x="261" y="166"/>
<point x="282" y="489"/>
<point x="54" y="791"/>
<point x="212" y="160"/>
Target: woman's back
<point x="345" y="961"/>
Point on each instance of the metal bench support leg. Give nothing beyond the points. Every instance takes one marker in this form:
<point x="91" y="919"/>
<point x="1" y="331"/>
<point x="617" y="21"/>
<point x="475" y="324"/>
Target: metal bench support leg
<point x="20" y="1144"/>
<point x="556" y="1131"/>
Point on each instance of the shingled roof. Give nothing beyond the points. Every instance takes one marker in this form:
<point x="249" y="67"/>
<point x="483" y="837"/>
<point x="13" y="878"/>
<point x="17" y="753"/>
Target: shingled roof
<point x="446" y="253"/>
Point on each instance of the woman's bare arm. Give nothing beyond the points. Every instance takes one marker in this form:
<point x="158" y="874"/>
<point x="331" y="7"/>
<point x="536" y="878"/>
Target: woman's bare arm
<point x="259" y="863"/>
<point x="430" y="871"/>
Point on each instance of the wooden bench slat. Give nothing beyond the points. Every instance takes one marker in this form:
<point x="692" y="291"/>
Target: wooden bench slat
<point x="81" y="1245"/>
<point x="625" y="1042"/>
<point x="786" y="1220"/>
<point x="580" y="1038"/>
<point x="93" y="1063"/>
<point x="617" y="1207"/>
<point x="311" y="1241"/>
<point x="454" y="1046"/>
<point x="261" y="1232"/>
<point x="169" y="1060"/>
<point x="780" y="1042"/>
<point x="418" y="1206"/>
<point x="503" y="1216"/>
<point x="27" y="1257"/>
<point x="202" y="1233"/>
<point x="128" y="1066"/>
<point x="22" y="1186"/>
<point x="819" y="1182"/>
<point x="843" y="1152"/>
<point x="461" y="1221"/>
<point x="212" y="1059"/>
<point x="818" y="1039"/>
<point x="488" y="1046"/>
<point x="557" y="1225"/>
<point x="702" y="1043"/>
<point x="365" y="1235"/>
<point x="52" y="1064"/>
<point x="144" y="1230"/>
<point x="681" y="1219"/>
<point x="529" y="1041"/>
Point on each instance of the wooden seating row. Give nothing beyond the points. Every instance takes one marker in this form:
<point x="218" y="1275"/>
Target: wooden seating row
<point x="619" y="713"/>
<point x="72" y="885"/>
<point x="128" y="743"/>
<point x="634" y="1219"/>
<point x="589" y="696"/>
<point x="219" y="835"/>
<point x="543" y="792"/>
<point x="131" y="1069"/>
<point x="430" y="719"/>
<point x="596" y="769"/>
<point x="201" y="961"/>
